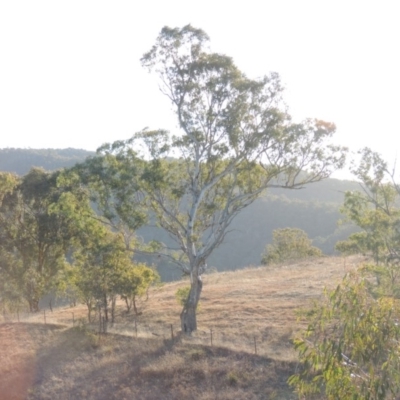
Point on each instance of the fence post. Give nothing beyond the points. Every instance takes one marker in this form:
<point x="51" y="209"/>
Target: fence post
<point x="172" y="332"/>
<point x="135" y="327"/>
<point x="211" y="336"/>
<point x="99" y="320"/>
<point x="104" y="325"/>
<point x="255" y="345"/>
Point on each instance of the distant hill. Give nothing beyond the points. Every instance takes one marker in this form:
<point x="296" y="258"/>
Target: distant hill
<point x="315" y="209"/>
<point x="20" y="161"/>
<point x="329" y="190"/>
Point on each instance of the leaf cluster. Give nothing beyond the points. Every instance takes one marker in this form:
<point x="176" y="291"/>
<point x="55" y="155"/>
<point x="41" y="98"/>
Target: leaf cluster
<point x="375" y="209"/>
<point x="350" y="349"/>
<point x="289" y="244"/>
<point x="34" y="238"/>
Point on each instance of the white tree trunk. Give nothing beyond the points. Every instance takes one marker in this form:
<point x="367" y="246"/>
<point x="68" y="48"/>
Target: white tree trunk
<point x="188" y="314"/>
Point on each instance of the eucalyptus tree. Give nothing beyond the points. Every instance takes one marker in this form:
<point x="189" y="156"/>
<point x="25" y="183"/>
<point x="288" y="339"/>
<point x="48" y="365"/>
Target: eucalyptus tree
<point x="375" y="208"/>
<point x="34" y="235"/>
<point x="101" y="265"/>
<point x="235" y="140"/>
<point x="114" y="189"/>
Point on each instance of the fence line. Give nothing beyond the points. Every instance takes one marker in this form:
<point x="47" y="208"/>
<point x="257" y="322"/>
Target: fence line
<point x="136" y="330"/>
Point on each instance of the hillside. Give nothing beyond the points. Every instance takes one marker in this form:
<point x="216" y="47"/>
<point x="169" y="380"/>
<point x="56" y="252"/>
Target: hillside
<point x="20" y="161"/>
<point x="251" y="315"/>
<point x="315" y="209"/>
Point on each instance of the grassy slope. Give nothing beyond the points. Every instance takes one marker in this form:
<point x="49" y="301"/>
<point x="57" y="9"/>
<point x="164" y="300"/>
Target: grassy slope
<point x="56" y="361"/>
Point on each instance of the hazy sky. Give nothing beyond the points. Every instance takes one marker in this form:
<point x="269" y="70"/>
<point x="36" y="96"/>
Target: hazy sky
<point x="70" y="74"/>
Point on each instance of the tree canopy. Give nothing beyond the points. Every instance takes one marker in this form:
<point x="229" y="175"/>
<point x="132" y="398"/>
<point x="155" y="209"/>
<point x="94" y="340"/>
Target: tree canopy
<point x="34" y="239"/>
<point x="375" y="208"/>
<point x="236" y="139"/>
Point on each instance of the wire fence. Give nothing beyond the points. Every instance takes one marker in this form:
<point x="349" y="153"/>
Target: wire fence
<point x="248" y="342"/>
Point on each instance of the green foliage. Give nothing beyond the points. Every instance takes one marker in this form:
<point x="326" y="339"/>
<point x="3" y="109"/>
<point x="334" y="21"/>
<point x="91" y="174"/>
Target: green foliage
<point x="103" y="269"/>
<point x="135" y="282"/>
<point x="289" y="244"/>
<point x="99" y="265"/>
<point x="114" y="187"/>
<point x="182" y="295"/>
<point x="232" y="378"/>
<point x="376" y="210"/>
<point x="350" y="349"/>
<point x="34" y="237"/>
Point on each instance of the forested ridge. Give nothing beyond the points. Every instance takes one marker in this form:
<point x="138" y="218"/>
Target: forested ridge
<point x="314" y="209"/>
<point x="20" y="161"/>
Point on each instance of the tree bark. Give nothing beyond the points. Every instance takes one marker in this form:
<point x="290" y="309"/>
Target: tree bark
<point x="134" y="305"/>
<point x="188" y="314"/>
<point x="128" y="304"/>
<point x="34" y="305"/>
<point x="89" y="307"/>
<point x="113" y="303"/>
<point x="105" y="305"/>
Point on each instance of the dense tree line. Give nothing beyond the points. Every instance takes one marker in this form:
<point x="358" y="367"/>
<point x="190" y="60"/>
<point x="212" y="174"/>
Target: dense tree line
<point x="51" y="239"/>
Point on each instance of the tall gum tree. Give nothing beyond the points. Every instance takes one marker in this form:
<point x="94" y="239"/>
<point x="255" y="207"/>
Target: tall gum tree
<point x="35" y="234"/>
<point x="236" y="139"/>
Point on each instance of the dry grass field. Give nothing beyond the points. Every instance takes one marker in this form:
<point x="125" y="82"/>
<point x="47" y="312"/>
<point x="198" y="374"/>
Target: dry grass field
<point x="250" y="315"/>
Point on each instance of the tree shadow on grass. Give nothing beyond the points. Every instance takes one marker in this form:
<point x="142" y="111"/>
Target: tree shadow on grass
<point x="80" y="364"/>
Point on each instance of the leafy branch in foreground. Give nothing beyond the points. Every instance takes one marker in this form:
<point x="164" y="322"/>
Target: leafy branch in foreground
<point x="351" y="348"/>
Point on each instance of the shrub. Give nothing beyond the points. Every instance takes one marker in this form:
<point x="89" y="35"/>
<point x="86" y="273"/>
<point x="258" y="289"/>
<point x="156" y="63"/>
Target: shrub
<point x="289" y="244"/>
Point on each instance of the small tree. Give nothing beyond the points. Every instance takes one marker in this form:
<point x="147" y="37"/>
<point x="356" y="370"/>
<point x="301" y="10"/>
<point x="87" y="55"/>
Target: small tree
<point x="134" y="283"/>
<point x="350" y="349"/>
<point x="101" y="265"/>
<point x="289" y="244"/>
<point x="104" y="270"/>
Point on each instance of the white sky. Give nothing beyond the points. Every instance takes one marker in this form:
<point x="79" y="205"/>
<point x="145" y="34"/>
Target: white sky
<point x="70" y="74"/>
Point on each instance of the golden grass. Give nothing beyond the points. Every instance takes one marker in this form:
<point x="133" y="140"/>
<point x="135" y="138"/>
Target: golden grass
<point x="244" y="309"/>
